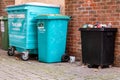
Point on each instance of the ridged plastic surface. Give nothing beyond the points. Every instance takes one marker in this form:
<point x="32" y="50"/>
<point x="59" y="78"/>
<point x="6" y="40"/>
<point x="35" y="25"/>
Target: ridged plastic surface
<point x="52" y="39"/>
<point x="98" y="46"/>
<point x="22" y="24"/>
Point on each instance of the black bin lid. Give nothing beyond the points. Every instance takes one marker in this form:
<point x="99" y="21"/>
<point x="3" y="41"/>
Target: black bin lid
<point x="98" y="29"/>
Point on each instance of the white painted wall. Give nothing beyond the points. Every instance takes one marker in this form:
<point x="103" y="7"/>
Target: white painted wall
<point x="56" y="2"/>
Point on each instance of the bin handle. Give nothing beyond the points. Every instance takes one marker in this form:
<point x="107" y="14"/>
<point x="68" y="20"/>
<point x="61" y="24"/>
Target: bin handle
<point x="33" y="13"/>
<point x="40" y="24"/>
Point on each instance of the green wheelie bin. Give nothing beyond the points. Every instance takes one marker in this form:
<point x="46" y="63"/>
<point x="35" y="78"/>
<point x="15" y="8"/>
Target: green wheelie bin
<point x="4" y="32"/>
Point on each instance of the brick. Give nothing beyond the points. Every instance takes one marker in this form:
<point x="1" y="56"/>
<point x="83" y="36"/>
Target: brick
<point x="92" y="11"/>
<point x="81" y="8"/>
<point x="110" y="3"/>
<point x="118" y="10"/>
<point x="93" y="4"/>
<point x="96" y="0"/>
<point x="118" y="2"/>
<point x="92" y="19"/>
<point x="88" y="8"/>
<point x="5" y="3"/>
<point x="80" y="2"/>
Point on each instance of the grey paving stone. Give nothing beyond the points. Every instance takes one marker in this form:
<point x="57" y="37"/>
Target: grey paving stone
<point x="13" y="68"/>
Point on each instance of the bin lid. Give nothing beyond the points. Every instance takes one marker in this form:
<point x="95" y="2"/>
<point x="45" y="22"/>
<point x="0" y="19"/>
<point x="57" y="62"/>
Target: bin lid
<point x="3" y="18"/>
<point x="52" y="16"/>
<point x="34" y="4"/>
<point x="97" y="29"/>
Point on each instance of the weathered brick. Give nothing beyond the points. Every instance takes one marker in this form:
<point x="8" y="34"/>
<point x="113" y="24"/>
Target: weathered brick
<point x="118" y="2"/>
<point x="96" y="0"/>
<point x="92" y="11"/>
<point x="3" y="5"/>
<point x="118" y="10"/>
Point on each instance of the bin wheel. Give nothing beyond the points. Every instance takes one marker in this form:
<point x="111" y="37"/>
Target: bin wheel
<point x="24" y="57"/>
<point x="90" y="66"/>
<point x="11" y="51"/>
<point x="100" y="67"/>
<point x="65" y="58"/>
<point x="110" y="66"/>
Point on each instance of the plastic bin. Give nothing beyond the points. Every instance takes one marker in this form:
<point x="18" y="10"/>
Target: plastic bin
<point x="4" y="31"/>
<point x="52" y="31"/>
<point x="98" y="46"/>
<point x="22" y="26"/>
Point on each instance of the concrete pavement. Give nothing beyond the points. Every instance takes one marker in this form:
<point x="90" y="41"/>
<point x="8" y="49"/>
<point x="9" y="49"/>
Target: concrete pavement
<point x="13" y="68"/>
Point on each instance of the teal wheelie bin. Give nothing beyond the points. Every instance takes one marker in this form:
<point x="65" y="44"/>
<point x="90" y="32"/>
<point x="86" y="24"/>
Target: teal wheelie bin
<point x="52" y="32"/>
<point x="22" y="26"/>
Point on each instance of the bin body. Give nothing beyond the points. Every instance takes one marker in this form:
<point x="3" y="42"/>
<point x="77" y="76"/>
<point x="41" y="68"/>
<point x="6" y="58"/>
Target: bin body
<point x="22" y="25"/>
<point x="4" y="31"/>
<point x="98" y="45"/>
<point x="52" y="31"/>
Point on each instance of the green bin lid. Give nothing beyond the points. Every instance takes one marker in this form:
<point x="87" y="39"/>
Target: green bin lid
<point x="3" y="18"/>
<point x="52" y="16"/>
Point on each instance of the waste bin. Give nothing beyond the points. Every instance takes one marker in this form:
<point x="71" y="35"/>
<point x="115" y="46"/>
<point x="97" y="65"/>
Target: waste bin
<point x="52" y="31"/>
<point x="22" y="26"/>
<point x="4" y="31"/>
<point x="98" y="46"/>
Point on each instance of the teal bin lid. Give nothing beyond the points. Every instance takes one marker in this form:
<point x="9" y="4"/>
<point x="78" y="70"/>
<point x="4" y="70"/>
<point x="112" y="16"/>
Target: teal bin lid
<point x="34" y="4"/>
<point x="52" y="16"/>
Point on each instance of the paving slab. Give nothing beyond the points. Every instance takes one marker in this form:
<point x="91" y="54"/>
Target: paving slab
<point x="13" y="68"/>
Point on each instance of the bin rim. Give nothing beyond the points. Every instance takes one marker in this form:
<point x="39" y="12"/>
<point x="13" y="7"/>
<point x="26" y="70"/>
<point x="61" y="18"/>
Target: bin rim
<point x="34" y="4"/>
<point x="3" y="18"/>
<point x="98" y="29"/>
<point x="53" y="16"/>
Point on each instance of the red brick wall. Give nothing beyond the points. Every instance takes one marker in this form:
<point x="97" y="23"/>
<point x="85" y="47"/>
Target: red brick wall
<point x="91" y="11"/>
<point x="3" y="4"/>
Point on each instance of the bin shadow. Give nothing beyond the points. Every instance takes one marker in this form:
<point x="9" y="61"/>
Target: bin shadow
<point x="97" y="66"/>
<point x="31" y="56"/>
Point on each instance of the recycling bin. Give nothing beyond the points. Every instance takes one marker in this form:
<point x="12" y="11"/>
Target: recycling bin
<point x="98" y="46"/>
<point x="4" y="32"/>
<point x="22" y="26"/>
<point x="52" y="31"/>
